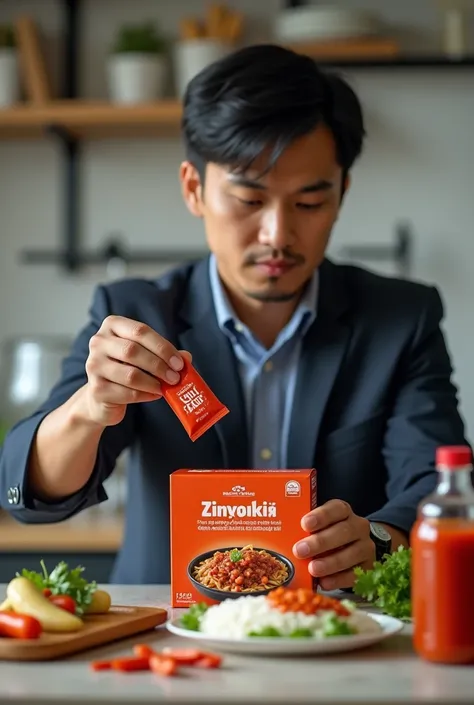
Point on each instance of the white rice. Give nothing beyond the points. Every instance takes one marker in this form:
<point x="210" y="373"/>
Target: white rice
<point x="234" y="619"/>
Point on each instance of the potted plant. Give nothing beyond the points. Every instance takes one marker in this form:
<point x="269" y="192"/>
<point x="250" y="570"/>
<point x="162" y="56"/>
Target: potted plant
<point x="137" y="64"/>
<point x="9" y="81"/>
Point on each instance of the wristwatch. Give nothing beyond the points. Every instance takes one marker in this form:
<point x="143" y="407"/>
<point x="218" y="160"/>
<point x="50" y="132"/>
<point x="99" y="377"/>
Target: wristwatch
<point x="382" y="540"/>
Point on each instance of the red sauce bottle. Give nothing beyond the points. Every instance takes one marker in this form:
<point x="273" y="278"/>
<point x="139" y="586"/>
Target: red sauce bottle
<point x="442" y="543"/>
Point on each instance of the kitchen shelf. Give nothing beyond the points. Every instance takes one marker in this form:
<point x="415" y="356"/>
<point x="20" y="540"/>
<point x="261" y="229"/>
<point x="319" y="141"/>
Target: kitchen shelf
<point x="84" y="119"/>
<point x="87" y="119"/>
<point x="401" y="62"/>
<point x="375" y="53"/>
<point x="83" y="534"/>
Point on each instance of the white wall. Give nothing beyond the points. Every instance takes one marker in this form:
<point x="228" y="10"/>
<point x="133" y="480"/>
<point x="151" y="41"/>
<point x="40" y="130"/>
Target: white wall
<point x="416" y="168"/>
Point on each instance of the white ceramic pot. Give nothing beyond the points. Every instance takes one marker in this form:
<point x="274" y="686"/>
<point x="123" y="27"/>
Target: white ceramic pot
<point x="193" y="55"/>
<point x="9" y="81"/>
<point x="136" y="78"/>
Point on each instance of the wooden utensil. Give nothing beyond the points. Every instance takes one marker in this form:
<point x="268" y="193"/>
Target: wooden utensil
<point x="234" y="26"/>
<point x="120" y="622"/>
<point x="32" y="61"/>
<point x="215" y="21"/>
<point x="190" y="28"/>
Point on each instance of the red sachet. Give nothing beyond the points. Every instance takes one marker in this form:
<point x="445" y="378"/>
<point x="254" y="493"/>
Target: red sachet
<point x="195" y="405"/>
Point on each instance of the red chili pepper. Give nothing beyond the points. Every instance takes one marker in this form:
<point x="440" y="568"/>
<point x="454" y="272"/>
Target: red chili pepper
<point x="127" y="665"/>
<point x="19" y="626"/>
<point x="143" y="651"/>
<point x="209" y="661"/>
<point x="65" y="602"/>
<point x="185" y="657"/>
<point x="163" y="665"/>
<point x="101" y="665"/>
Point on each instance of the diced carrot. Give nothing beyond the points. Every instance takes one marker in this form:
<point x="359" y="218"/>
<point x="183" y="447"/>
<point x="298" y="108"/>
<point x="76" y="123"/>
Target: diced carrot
<point x="185" y="657"/>
<point x="101" y="665"/>
<point x="127" y="665"/>
<point x="163" y="665"/>
<point x="143" y="650"/>
<point x="208" y="660"/>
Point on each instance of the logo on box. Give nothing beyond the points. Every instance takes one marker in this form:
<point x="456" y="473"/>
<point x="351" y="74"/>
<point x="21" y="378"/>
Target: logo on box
<point x="238" y="491"/>
<point x="292" y="489"/>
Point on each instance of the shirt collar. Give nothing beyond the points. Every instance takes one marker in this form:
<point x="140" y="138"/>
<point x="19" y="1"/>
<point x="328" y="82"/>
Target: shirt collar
<point x="227" y="318"/>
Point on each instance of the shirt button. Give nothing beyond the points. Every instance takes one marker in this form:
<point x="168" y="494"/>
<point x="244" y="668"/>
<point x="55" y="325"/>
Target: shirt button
<point x="268" y="366"/>
<point x="13" y="495"/>
<point x="266" y="454"/>
<point x="239" y="327"/>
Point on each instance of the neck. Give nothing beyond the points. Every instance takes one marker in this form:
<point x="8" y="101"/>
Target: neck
<point x="265" y="320"/>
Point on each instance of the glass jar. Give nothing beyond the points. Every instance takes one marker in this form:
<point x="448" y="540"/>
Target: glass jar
<point x="442" y="542"/>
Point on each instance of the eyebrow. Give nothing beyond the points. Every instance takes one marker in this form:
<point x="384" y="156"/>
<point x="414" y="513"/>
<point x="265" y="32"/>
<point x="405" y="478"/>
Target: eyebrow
<point x="321" y="185"/>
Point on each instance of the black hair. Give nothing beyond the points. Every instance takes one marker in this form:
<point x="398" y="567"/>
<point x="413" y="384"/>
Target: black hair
<point x="263" y="97"/>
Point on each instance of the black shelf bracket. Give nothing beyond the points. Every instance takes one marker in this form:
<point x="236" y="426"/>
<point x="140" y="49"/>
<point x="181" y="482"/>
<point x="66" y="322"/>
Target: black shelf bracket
<point x="70" y="150"/>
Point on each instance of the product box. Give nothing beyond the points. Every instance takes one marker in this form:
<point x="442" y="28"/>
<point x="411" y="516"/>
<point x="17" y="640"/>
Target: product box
<point x="233" y="531"/>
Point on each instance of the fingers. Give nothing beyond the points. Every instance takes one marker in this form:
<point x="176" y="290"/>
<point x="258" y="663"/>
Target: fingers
<point x="133" y="356"/>
<point x="329" y="513"/>
<point x="186" y="354"/>
<point x="143" y="336"/>
<point x="129" y="377"/>
<point x="106" y="392"/>
<point x="340" y="534"/>
<point x="340" y="581"/>
<point x="343" y="559"/>
<point x="126" y="362"/>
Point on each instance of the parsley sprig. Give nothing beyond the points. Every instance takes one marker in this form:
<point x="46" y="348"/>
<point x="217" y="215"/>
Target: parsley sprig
<point x="388" y="584"/>
<point x="63" y="581"/>
<point x="236" y="555"/>
<point x="191" y="619"/>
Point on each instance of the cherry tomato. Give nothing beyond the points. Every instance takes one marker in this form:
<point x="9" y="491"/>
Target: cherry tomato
<point x="65" y="602"/>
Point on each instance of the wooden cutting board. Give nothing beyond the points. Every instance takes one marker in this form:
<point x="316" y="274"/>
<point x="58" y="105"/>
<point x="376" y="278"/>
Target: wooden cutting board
<point x="120" y="622"/>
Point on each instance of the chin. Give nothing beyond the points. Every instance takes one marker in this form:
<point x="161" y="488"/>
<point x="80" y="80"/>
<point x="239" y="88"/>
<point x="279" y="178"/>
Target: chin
<point x="278" y="289"/>
<point x="271" y="295"/>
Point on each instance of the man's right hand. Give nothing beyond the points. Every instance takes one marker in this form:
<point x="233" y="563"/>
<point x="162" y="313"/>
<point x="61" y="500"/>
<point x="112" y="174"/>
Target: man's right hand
<point x="126" y="362"/>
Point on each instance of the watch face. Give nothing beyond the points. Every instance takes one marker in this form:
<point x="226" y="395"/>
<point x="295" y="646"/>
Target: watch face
<point x="380" y="533"/>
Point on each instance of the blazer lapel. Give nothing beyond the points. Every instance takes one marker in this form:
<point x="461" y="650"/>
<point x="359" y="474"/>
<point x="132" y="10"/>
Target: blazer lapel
<point x="323" y="351"/>
<point x="214" y="359"/>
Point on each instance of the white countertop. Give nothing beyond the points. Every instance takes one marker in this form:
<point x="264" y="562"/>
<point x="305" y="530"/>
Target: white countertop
<point x="386" y="674"/>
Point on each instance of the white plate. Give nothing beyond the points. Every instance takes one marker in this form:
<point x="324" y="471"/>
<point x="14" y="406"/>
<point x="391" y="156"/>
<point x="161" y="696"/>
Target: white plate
<point x="311" y="22"/>
<point x="282" y="646"/>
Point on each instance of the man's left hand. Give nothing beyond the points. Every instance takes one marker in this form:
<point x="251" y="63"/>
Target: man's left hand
<point x="339" y="541"/>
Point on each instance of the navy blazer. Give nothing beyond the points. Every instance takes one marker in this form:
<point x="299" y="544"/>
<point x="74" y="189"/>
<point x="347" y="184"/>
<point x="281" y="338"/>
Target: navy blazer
<point x="374" y="399"/>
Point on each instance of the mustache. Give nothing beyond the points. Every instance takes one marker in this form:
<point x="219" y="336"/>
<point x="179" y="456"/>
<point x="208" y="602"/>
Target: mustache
<point x="253" y="258"/>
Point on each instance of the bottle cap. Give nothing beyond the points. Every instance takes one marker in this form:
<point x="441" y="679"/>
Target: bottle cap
<point x="453" y="456"/>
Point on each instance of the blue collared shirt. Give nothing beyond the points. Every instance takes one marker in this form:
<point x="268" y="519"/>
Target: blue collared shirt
<point x="268" y="377"/>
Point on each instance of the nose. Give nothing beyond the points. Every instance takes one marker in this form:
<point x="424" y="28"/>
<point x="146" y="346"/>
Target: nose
<point x="276" y="228"/>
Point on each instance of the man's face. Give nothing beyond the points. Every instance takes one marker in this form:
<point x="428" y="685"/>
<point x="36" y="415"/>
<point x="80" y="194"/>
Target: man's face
<point x="270" y="233"/>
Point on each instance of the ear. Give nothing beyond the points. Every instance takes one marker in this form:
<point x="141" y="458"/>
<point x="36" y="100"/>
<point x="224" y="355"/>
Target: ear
<point x="191" y="188"/>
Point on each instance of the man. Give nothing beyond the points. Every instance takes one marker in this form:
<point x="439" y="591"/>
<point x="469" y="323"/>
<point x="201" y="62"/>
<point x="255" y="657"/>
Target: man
<point x="321" y="365"/>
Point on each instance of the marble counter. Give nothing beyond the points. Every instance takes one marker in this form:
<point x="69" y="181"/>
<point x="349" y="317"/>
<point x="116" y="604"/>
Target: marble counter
<point x="386" y="674"/>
